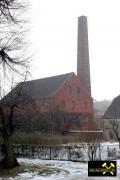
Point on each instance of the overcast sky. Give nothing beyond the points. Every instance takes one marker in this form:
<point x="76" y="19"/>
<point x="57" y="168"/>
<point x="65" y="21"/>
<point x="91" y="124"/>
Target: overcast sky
<point x="54" y="41"/>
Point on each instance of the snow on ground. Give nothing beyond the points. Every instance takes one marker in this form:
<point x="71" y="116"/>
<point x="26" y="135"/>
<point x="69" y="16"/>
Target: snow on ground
<point x="69" y="168"/>
<point x="63" y="170"/>
<point x="69" y="171"/>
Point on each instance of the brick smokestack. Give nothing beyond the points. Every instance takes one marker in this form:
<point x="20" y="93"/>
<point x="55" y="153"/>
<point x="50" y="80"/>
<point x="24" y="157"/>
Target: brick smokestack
<point x="83" y="67"/>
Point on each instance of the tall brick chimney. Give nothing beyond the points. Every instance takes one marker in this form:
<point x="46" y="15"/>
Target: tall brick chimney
<point x="83" y="67"/>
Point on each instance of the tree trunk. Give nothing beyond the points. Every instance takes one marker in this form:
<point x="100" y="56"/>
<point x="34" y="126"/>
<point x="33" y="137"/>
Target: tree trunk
<point x="9" y="160"/>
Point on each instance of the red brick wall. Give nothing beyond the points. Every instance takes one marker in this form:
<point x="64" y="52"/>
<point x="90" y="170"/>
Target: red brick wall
<point x="68" y="101"/>
<point x="72" y="101"/>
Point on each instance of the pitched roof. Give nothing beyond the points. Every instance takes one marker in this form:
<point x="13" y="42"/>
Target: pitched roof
<point x="113" y="111"/>
<point x="41" y="88"/>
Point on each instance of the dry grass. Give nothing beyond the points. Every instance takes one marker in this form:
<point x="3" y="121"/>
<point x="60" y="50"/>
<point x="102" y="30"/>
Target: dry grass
<point x="42" y="170"/>
<point x="6" y="173"/>
<point x="38" y="138"/>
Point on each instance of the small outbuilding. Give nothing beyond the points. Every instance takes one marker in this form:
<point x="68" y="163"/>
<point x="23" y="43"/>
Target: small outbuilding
<point x="112" y="120"/>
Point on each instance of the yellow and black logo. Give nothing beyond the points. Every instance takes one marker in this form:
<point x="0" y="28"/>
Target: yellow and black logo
<point x="102" y="168"/>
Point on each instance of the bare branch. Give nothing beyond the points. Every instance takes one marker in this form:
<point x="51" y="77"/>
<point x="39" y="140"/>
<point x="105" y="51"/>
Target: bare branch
<point x="9" y="10"/>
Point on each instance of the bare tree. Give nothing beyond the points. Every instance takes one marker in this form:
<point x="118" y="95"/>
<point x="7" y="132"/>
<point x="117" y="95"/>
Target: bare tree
<point x="11" y="60"/>
<point x="10" y="10"/>
<point x="8" y="106"/>
<point x="92" y="150"/>
<point x="45" y="119"/>
<point x="115" y="125"/>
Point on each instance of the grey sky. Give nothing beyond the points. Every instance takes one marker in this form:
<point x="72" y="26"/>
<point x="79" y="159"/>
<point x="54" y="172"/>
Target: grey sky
<point x="54" y="41"/>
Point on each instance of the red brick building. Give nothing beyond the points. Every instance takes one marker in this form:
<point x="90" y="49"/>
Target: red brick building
<point x="70" y="93"/>
<point x="64" y="92"/>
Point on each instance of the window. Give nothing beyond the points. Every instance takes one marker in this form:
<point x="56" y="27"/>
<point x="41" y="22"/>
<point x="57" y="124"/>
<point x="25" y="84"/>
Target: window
<point x="63" y="104"/>
<point x="85" y="104"/>
<point x="73" y="105"/>
<point x="65" y="120"/>
<point x="78" y="90"/>
<point x="69" y="89"/>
